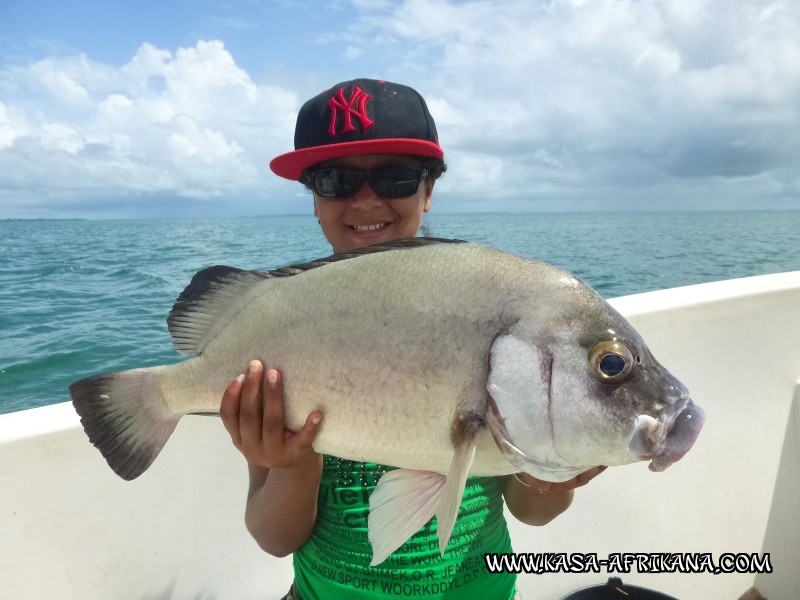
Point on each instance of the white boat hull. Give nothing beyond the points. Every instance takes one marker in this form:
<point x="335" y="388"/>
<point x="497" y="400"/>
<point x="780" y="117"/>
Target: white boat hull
<point x="70" y="528"/>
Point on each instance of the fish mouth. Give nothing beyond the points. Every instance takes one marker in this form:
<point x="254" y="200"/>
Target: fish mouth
<point x="666" y="442"/>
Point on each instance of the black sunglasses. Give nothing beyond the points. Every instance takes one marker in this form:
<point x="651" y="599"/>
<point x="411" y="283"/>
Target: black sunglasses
<point x="389" y="183"/>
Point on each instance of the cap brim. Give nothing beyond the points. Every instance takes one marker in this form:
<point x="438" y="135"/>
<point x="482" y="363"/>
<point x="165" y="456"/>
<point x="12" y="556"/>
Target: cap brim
<point x="292" y="164"/>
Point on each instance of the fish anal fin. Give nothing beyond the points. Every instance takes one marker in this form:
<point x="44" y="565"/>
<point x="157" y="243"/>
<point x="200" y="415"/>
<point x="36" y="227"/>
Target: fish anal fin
<point x="199" y="311"/>
<point x="401" y="504"/>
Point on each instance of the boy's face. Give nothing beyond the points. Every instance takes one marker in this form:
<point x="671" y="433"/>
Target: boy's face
<point x="365" y="218"/>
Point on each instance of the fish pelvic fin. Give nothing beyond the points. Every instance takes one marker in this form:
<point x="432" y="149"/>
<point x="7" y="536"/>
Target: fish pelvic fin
<point x="450" y="502"/>
<point x="125" y="417"/>
<point x="405" y="499"/>
<point x="401" y="504"/>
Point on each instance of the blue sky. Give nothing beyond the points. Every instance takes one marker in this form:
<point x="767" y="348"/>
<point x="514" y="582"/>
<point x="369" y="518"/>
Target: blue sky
<point x="147" y="109"/>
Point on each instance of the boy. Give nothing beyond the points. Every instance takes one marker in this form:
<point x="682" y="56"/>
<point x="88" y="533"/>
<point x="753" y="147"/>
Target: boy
<point x="369" y="152"/>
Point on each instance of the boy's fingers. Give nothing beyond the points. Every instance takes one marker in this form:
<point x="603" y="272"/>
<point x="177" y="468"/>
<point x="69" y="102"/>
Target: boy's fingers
<point x="250" y="405"/>
<point x="273" y="396"/>
<point x="302" y="441"/>
<point x="229" y="409"/>
<point x="252" y="411"/>
<point x="272" y="423"/>
<point x="587" y="476"/>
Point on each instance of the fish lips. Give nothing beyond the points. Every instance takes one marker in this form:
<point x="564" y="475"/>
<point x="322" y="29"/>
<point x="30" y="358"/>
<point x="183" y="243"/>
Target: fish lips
<point x="665" y="442"/>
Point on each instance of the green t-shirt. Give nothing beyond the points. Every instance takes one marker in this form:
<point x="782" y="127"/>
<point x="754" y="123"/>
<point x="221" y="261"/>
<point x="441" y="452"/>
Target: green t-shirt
<point x="334" y="563"/>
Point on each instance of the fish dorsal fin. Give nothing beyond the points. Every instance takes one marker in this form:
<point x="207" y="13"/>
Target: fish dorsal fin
<point x="404" y="243"/>
<point x="217" y="291"/>
<point x="213" y="293"/>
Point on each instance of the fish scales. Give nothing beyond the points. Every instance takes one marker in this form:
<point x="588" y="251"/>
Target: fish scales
<point x="439" y="357"/>
<point x="398" y="361"/>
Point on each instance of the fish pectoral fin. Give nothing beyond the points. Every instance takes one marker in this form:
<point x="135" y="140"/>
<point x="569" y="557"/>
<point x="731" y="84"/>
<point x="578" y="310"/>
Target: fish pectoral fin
<point x="453" y="492"/>
<point x="401" y="504"/>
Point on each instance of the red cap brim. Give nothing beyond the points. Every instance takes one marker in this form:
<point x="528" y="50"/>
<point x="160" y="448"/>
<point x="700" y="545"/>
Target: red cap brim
<point x="292" y="164"/>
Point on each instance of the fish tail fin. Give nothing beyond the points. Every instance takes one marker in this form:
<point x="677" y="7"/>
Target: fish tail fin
<point x="126" y="418"/>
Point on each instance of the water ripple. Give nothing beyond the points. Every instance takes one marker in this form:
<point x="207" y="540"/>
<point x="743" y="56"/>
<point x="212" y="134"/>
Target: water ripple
<point x="81" y="297"/>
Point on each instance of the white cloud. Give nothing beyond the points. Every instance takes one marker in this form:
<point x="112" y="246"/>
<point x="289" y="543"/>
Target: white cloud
<point x="190" y="123"/>
<point x="59" y="84"/>
<point x="9" y="129"/>
<point x="536" y="102"/>
<point x="604" y="97"/>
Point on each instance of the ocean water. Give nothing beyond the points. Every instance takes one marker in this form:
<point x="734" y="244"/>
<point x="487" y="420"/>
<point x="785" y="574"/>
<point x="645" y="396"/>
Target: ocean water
<point x="83" y="297"/>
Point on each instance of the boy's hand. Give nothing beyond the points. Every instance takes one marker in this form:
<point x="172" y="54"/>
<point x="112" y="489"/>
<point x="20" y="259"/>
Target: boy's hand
<point x="252" y="411"/>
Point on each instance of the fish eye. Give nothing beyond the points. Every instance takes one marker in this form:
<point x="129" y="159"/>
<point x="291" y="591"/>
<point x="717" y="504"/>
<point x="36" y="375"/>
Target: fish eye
<point x="611" y="365"/>
<point x="611" y="361"/>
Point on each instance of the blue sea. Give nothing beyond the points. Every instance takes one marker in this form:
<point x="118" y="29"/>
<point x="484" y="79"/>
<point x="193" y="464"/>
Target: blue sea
<point x="82" y="297"/>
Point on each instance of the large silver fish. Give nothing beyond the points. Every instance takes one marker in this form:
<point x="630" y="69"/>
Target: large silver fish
<point x="440" y="357"/>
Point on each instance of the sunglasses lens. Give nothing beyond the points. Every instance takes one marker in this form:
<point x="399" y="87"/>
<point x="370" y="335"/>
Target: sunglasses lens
<point x="336" y="183"/>
<point x="395" y="182"/>
<point x="389" y="183"/>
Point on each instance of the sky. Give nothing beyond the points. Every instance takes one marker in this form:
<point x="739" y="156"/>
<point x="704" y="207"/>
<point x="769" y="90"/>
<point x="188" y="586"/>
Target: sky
<point x="150" y="109"/>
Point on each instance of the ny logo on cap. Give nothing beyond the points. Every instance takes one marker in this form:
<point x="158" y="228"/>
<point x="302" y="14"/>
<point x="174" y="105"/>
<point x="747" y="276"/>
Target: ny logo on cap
<point x="338" y="103"/>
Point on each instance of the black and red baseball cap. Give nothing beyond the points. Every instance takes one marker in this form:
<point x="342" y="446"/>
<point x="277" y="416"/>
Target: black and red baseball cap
<point x="362" y="116"/>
